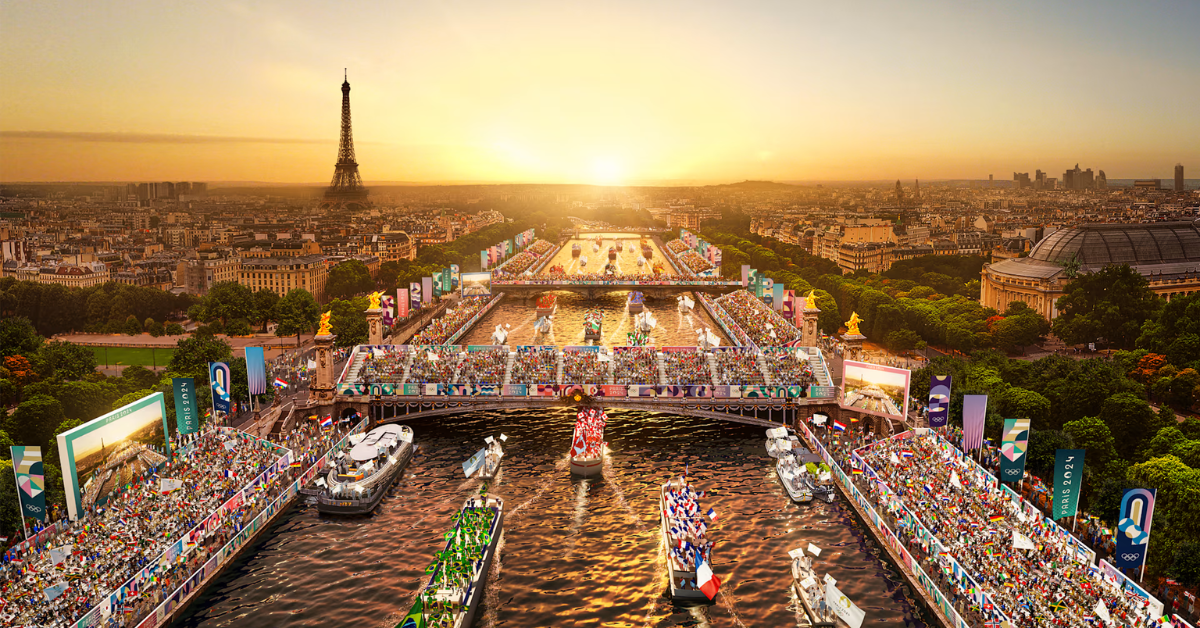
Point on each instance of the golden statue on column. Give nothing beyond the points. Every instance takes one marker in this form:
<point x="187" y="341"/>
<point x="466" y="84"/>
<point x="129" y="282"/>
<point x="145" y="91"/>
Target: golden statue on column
<point x="852" y="325"/>
<point x="374" y="300"/>
<point x="326" y="326"/>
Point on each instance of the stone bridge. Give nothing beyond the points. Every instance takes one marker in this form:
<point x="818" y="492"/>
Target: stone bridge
<point x="591" y="290"/>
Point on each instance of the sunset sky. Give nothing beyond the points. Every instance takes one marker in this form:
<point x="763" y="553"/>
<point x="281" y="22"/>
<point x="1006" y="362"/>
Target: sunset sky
<point x="601" y="92"/>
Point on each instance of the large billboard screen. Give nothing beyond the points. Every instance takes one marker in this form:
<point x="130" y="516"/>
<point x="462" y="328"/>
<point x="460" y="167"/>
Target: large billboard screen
<point x="875" y="389"/>
<point x="476" y="284"/>
<point x="103" y="454"/>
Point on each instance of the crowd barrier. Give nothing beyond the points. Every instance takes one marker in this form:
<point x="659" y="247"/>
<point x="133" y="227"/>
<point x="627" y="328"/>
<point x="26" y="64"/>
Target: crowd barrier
<point x="179" y="550"/>
<point x="889" y="536"/>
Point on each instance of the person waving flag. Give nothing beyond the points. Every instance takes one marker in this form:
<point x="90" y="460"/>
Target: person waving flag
<point x="279" y="383"/>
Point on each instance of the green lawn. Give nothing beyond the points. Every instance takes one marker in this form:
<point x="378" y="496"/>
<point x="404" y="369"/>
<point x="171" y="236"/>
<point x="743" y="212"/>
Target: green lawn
<point x="131" y="355"/>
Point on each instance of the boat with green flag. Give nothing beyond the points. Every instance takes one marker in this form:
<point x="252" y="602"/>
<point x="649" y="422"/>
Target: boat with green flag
<point x="458" y="574"/>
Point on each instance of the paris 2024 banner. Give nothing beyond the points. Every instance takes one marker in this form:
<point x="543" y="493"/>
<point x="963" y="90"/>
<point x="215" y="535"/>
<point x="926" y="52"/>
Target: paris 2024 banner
<point x="1068" y="480"/>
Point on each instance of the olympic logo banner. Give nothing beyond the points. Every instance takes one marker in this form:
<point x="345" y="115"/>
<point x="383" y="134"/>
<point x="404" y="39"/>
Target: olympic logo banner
<point x="219" y="380"/>
<point x="1012" y="449"/>
<point x="31" y="483"/>
<point x="1133" y="528"/>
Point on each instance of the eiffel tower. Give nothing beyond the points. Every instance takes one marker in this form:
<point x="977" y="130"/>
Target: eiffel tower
<point x="346" y="191"/>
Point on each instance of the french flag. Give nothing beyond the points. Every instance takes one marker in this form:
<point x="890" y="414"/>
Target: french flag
<point x="709" y="584"/>
<point x="712" y="514"/>
<point x="839" y="426"/>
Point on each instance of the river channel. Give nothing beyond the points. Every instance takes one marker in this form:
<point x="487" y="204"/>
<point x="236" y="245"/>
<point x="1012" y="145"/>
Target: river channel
<point x="574" y="552"/>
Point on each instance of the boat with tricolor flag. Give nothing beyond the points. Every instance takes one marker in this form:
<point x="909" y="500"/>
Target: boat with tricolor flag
<point x="587" y="442"/>
<point x="685" y="534"/>
<point x="362" y="473"/>
<point x="593" y="325"/>
<point x="458" y="575"/>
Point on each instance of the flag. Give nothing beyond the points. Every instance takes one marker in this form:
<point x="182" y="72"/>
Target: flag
<point x="1068" y="480"/>
<point x="814" y="550"/>
<point x="906" y="453"/>
<point x="31" y="483"/>
<point x="954" y="479"/>
<point x="839" y="426"/>
<point x="327" y="421"/>
<point x="1020" y="541"/>
<point x="279" y="383"/>
<point x="256" y="370"/>
<point x="996" y="518"/>
<point x="1101" y="611"/>
<point x="974" y="417"/>
<point x="1012" y="449"/>
<point x="712" y="514"/>
<point x="939" y="400"/>
<point x="710" y="585"/>
<point x="1133" y="527"/>
<point x="842" y="605"/>
<point x="54" y="591"/>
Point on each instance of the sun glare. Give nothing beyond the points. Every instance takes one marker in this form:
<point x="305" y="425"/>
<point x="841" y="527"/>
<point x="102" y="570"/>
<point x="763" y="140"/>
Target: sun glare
<point x="607" y="171"/>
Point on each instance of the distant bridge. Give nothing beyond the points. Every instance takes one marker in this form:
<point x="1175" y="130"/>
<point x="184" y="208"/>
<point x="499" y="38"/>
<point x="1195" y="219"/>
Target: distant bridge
<point x="530" y="288"/>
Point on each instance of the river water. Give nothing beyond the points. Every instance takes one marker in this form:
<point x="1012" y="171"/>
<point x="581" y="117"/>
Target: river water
<point x="674" y="329"/>
<point x="574" y="552"/>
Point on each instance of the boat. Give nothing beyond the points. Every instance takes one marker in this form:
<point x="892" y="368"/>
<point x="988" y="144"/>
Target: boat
<point x="612" y="252"/>
<point x="362" y="473"/>
<point x="458" y="577"/>
<point x="595" y="247"/>
<point x="779" y="441"/>
<point x="636" y="301"/>
<point x="492" y="456"/>
<point x="547" y="304"/>
<point x="645" y="322"/>
<point x="647" y="251"/>
<point x="819" y="477"/>
<point x="706" y="340"/>
<point x="685" y="303"/>
<point x="500" y="335"/>
<point x="583" y="261"/>
<point x="593" y="325"/>
<point x="658" y="268"/>
<point x="620" y="245"/>
<point x="684" y="531"/>
<point x="543" y="325"/>
<point x="587" y="442"/>
<point x="610" y="269"/>
<point x="641" y="261"/>
<point x="792" y="477"/>
<point x="808" y="589"/>
<point x="576" y="250"/>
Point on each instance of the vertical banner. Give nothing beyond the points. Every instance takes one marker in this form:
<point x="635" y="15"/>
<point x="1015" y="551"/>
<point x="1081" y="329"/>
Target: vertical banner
<point x="454" y="273"/>
<point x="256" y="370"/>
<point x="387" y="303"/>
<point x="939" y="400"/>
<point x="31" y="484"/>
<point x="1012" y="449"/>
<point x="187" y="420"/>
<point x="414" y="294"/>
<point x="1068" y="479"/>
<point x="1133" y="527"/>
<point x="745" y="275"/>
<point x="402" y="303"/>
<point x="788" y="309"/>
<point x="447" y="281"/>
<point x="974" y="417"/>
<point x="437" y="285"/>
<point x="777" y="296"/>
<point x="218" y="380"/>
<point x="426" y="289"/>
<point x="483" y="265"/>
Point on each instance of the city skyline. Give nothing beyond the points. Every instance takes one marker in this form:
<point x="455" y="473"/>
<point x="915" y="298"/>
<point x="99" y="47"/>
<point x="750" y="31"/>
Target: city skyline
<point x="632" y="94"/>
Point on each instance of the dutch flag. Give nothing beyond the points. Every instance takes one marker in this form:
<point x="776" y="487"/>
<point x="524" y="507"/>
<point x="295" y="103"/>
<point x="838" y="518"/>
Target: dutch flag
<point x="279" y="383"/>
<point x="327" y="421"/>
<point x="839" y="426"/>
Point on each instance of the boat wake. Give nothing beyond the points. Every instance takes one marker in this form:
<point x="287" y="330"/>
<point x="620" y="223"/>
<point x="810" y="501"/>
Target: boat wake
<point x="610" y="477"/>
<point x="560" y="465"/>
<point x="492" y="595"/>
<point x="581" y="504"/>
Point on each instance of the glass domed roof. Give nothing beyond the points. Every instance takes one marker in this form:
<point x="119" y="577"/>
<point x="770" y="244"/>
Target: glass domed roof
<point x="1097" y="245"/>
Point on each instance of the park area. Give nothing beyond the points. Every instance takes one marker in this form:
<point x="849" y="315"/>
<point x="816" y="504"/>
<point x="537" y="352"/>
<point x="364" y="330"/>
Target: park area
<point x="128" y="356"/>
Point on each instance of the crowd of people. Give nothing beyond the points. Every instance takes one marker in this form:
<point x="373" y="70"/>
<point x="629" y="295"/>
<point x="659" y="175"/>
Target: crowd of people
<point x="656" y="276"/>
<point x="82" y="562"/>
<point x="764" y="325"/>
<point x="535" y="365"/>
<point x="382" y="366"/>
<point x="731" y="328"/>
<point x="584" y="367"/>
<point x="485" y="366"/>
<point x="439" y="330"/>
<point x="694" y="262"/>
<point x="737" y="367"/>
<point x="687" y="368"/>
<point x="524" y="260"/>
<point x="980" y="527"/>
<point x="788" y="367"/>
<point x="635" y="365"/>
<point x="433" y="365"/>
<point x="677" y="246"/>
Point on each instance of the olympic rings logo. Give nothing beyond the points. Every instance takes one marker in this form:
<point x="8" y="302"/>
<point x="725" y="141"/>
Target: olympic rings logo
<point x="1130" y="557"/>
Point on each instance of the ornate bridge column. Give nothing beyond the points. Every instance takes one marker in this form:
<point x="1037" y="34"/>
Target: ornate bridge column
<point x="322" y="387"/>
<point x="809" y="332"/>
<point x="854" y="343"/>
<point x="374" y="326"/>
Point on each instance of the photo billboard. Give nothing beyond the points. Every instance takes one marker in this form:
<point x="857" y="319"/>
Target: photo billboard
<point x="100" y="455"/>
<point x="875" y="389"/>
<point x="477" y="284"/>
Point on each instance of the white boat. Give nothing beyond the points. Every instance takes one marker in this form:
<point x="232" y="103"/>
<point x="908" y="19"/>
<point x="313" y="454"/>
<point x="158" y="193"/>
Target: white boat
<point x="645" y="322"/>
<point x="811" y="593"/>
<point x="494" y="453"/>
<point x="595" y="248"/>
<point x="705" y="339"/>
<point x="779" y="441"/>
<point x="685" y="303"/>
<point x="500" y="335"/>
<point x="791" y="476"/>
<point x="681" y="574"/>
<point x="543" y="325"/>
<point x="641" y="261"/>
<point x="361" y="474"/>
<point x="583" y="261"/>
<point x="454" y="592"/>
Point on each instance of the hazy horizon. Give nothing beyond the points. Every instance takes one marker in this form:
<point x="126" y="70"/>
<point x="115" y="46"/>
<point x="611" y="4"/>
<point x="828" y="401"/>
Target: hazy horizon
<point x="476" y="93"/>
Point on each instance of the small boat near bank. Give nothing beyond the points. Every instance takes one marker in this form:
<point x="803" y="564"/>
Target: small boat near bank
<point x="458" y="577"/>
<point x="486" y="461"/>
<point x="779" y="441"/>
<point x="362" y="473"/>
<point x="808" y="588"/>
<point x="593" y="325"/>
<point x="587" y="442"/>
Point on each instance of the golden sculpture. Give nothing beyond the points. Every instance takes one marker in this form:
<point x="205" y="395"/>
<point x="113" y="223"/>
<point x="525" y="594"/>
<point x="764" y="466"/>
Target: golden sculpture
<point x="852" y="324"/>
<point x="374" y="300"/>
<point x="324" y="330"/>
<point x="810" y="301"/>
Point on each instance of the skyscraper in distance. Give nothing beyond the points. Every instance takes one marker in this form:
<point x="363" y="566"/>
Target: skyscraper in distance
<point x="1178" y="177"/>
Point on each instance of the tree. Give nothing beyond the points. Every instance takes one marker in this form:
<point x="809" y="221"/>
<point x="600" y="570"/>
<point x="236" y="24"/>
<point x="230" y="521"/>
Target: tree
<point x="65" y="360"/>
<point x="1017" y="402"/>
<point x="85" y="400"/>
<point x="1111" y="304"/>
<point x="349" y="321"/>
<point x="193" y="354"/>
<point x="18" y="337"/>
<point x="1175" y="331"/>
<point x="1020" y="327"/>
<point x="136" y="377"/>
<point x="264" y="308"/>
<point x="132" y="326"/>
<point x="226" y="301"/>
<point x="902" y="340"/>
<point x="297" y="313"/>
<point x="389" y="275"/>
<point x="153" y="327"/>
<point x="1131" y="421"/>
<point x="1186" y="566"/>
<point x="130" y="398"/>
<point x="348" y="279"/>
<point x="238" y="327"/>
<point x="33" y="422"/>
<point x="1043" y="444"/>
<point x="1092" y="434"/>
<point x="173" y="329"/>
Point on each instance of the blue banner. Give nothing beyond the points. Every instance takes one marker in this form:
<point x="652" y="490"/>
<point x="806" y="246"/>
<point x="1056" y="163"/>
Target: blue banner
<point x="31" y="483"/>
<point x="414" y="294"/>
<point x="219" y="381"/>
<point x="939" y="400"/>
<point x="1068" y="479"/>
<point x="256" y="370"/>
<point x="187" y="421"/>
<point x="1133" y="527"/>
